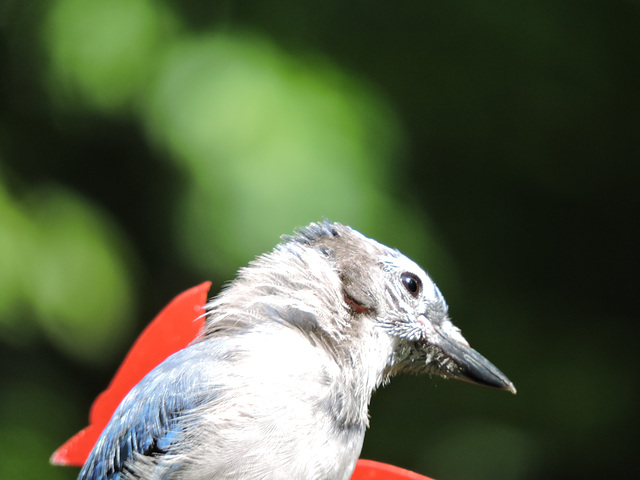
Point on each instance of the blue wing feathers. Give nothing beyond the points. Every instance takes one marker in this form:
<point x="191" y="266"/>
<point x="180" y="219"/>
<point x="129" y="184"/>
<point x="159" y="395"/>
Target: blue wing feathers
<point x="149" y="419"/>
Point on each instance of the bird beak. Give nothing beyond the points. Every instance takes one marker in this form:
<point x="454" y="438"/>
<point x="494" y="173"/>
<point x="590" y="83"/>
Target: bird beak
<point x="473" y="367"/>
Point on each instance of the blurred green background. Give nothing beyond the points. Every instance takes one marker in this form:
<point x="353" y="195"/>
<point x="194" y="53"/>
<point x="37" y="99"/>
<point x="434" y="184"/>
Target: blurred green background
<point x="146" y="146"/>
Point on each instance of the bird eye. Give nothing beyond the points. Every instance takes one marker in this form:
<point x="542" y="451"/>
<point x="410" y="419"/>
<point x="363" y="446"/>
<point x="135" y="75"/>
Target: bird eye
<point x="412" y="283"/>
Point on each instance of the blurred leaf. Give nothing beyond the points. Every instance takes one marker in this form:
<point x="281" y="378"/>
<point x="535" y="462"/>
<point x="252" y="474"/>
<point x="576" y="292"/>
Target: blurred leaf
<point x="80" y="286"/>
<point x="270" y="142"/>
<point x="103" y="52"/>
<point x="16" y="246"/>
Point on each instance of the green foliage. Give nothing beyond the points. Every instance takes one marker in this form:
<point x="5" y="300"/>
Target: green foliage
<point x="63" y="268"/>
<point x="103" y="53"/>
<point x="81" y="287"/>
<point x="268" y="142"/>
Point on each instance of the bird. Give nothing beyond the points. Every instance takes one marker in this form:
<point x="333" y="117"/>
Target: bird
<point x="278" y="383"/>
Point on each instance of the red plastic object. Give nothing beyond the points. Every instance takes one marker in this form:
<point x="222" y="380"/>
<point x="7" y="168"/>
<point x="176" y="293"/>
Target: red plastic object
<point x="371" y="470"/>
<point x="175" y="327"/>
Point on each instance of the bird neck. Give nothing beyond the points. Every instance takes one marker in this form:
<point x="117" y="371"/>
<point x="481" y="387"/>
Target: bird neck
<point x="273" y="293"/>
<point x="363" y="365"/>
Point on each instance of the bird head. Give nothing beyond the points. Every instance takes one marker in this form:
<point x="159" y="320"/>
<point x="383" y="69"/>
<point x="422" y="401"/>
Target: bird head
<point x="381" y="285"/>
<point x="369" y="305"/>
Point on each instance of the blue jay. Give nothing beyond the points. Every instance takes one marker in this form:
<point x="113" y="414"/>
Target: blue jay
<point x="278" y="385"/>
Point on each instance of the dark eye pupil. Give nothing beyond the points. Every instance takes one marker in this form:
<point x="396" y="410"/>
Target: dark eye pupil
<point x="411" y="283"/>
